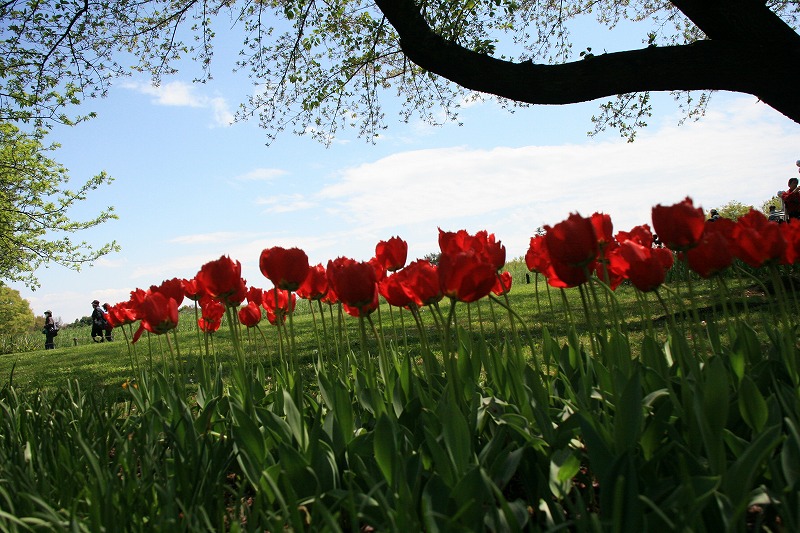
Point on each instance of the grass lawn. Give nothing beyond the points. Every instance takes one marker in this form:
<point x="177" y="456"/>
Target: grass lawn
<point x="108" y="365"/>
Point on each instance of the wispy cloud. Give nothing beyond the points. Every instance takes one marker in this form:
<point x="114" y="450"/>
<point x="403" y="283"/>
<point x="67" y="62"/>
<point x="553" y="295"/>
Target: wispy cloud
<point x="111" y="261"/>
<point x="222" y="113"/>
<point x="207" y="238"/>
<point x="261" y="174"/>
<point x="285" y="203"/>
<point x="182" y="94"/>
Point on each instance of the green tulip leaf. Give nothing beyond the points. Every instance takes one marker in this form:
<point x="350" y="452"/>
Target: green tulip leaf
<point x="752" y="405"/>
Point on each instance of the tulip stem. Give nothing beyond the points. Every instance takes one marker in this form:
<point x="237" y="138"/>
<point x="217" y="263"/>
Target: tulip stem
<point x="269" y="356"/>
<point x="589" y="320"/>
<point x="197" y="327"/>
<point x="180" y="370"/>
<point x="512" y="315"/>
<point x="316" y="336"/>
<point x="425" y="352"/>
<point x="494" y="319"/>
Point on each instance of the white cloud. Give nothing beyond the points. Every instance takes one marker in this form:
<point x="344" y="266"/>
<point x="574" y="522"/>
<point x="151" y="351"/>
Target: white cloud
<point x="174" y="93"/>
<point x="206" y="238"/>
<point x="743" y="154"/>
<point x="222" y="114"/>
<point x="285" y="203"/>
<point x="261" y="174"/>
<point x="112" y="261"/>
<point x="182" y="94"/>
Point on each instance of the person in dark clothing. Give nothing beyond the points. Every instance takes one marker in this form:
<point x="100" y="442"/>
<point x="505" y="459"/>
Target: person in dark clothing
<point x="50" y="331"/>
<point x="99" y="322"/>
<point x="109" y="327"/>
<point x="774" y="215"/>
<point x="791" y="200"/>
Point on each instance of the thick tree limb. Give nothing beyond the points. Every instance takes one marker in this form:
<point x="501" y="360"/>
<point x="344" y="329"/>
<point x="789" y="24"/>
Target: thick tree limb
<point x="757" y="58"/>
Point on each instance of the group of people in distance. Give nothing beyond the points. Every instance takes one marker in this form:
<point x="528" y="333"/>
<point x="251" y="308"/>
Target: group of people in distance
<point x="101" y="329"/>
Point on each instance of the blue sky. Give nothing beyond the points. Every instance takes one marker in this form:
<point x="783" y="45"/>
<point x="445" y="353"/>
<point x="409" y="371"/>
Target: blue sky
<point x="190" y="187"/>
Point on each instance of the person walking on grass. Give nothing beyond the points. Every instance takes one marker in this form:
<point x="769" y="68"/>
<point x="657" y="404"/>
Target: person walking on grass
<point x="109" y="328"/>
<point x="99" y="322"/>
<point x="50" y="331"/>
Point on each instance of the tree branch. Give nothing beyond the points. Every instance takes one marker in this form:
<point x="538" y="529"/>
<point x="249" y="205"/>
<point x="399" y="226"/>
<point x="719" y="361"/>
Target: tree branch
<point x="762" y="67"/>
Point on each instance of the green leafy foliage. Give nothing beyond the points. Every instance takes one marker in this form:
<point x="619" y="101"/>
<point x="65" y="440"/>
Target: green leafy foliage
<point x="16" y="315"/>
<point x="35" y="203"/>
<point x="733" y="210"/>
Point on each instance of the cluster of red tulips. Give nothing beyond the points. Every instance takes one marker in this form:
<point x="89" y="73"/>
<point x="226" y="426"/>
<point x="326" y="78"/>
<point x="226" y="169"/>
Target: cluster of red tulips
<point x="467" y="271"/>
<point x="573" y="250"/>
<point x="567" y="254"/>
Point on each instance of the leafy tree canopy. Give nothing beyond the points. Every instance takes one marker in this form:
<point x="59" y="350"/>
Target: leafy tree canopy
<point x="319" y="65"/>
<point x="733" y="210"/>
<point x="16" y="316"/>
<point x="775" y="200"/>
<point x="35" y="226"/>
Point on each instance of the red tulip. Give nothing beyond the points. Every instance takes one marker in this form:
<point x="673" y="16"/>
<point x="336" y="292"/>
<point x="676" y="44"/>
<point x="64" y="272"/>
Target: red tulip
<point x="392" y="254"/>
<point x="137" y="299"/>
<point x="537" y="258"/>
<point x="647" y="266"/>
<point x="393" y="290"/>
<point x="354" y="282"/>
<point x="171" y="288"/>
<point x="572" y="242"/>
<point x="315" y="285"/>
<point x="791" y="234"/>
<point x="250" y="314"/>
<point x="286" y="268"/>
<point x="120" y="314"/>
<point x="212" y="311"/>
<point x="482" y="244"/>
<point x="192" y="289"/>
<point x="330" y="297"/>
<point x="363" y="309"/>
<point x="159" y="315"/>
<point x="465" y="277"/>
<point x="640" y="235"/>
<point x="279" y="302"/>
<point x="603" y="228"/>
<point x="380" y="270"/>
<point x="713" y="251"/>
<point x="757" y="240"/>
<point x="571" y="250"/>
<point x="455" y="242"/>
<point x="422" y="282"/>
<point x="679" y="226"/>
<point x="255" y="295"/>
<point x="502" y="284"/>
<point x="208" y="326"/>
<point x="222" y="280"/>
<point x="275" y="318"/>
<point x="611" y="266"/>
